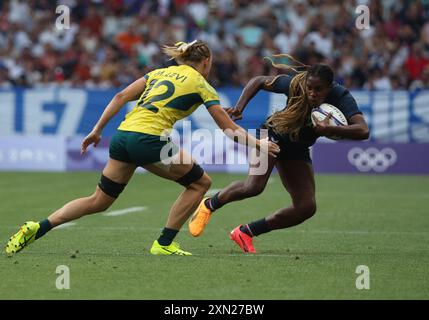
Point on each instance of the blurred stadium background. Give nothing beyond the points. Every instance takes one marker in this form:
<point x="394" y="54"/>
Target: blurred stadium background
<point x="110" y="43"/>
<point x="54" y="84"/>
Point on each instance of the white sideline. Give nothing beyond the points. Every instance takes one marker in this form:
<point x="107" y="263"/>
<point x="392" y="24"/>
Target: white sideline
<point x="115" y="213"/>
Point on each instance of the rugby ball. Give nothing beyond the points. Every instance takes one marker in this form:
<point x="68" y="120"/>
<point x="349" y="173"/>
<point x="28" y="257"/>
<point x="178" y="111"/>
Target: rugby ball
<point x="337" y="118"/>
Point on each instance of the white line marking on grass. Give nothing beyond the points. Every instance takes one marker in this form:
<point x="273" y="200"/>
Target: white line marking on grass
<point x="65" y="225"/>
<point x="115" y="213"/>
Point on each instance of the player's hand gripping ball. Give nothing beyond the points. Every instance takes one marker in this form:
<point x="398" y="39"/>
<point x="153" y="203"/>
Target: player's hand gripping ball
<point x="337" y="118"/>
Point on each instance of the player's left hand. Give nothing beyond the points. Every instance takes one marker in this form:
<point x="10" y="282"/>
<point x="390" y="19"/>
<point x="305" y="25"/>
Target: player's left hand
<point x="267" y="146"/>
<point x="92" y="138"/>
<point x="320" y="126"/>
<point x="234" y="113"/>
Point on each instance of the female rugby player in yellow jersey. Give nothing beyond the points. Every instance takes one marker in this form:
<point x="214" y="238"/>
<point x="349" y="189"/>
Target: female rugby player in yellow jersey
<point x="164" y="97"/>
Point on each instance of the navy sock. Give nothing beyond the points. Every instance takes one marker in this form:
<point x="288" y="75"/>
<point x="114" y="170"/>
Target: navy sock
<point x="213" y="203"/>
<point x="167" y="236"/>
<point x="45" y="226"/>
<point x="255" y="228"/>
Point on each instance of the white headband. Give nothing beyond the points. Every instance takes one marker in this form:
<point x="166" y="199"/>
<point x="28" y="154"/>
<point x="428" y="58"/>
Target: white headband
<point x="185" y="46"/>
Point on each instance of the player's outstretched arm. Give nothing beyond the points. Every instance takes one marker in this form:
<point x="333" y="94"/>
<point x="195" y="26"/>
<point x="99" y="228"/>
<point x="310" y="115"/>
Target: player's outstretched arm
<point x="130" y="93"/>
<point x="250" y="90"/>
<point x="238" y="134"/>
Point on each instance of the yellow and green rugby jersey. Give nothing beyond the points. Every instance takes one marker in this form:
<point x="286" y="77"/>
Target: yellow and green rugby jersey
<point x="171" y="94"/>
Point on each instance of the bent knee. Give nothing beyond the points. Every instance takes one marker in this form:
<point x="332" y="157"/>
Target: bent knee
<point x="101" y="206"/>
<point x="202" y="184"/>
<point x="206" y="181"/>
<point x="307" y="209"/>
<point x="100" y="203"/>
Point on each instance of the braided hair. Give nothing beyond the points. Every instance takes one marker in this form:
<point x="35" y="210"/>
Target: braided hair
<point x="291" y="119"/>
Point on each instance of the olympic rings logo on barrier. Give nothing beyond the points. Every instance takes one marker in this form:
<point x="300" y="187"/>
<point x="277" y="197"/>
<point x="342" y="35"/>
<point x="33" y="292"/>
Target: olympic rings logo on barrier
<point x="372" y="159"/>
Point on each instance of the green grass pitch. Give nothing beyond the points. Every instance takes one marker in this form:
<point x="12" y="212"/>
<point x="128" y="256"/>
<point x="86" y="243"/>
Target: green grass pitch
<point x="378" y="221"/>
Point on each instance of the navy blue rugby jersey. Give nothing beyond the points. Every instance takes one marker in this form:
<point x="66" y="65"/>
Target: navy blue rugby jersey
<point x="339" y="97"/>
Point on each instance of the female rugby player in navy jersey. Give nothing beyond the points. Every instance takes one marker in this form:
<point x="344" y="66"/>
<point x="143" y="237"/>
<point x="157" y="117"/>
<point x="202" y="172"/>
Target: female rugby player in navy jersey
<point x="292" y="129"/>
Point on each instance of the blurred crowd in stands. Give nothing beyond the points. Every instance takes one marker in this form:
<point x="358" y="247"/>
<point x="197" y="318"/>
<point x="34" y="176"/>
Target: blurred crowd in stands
<point x="113" y="42"/>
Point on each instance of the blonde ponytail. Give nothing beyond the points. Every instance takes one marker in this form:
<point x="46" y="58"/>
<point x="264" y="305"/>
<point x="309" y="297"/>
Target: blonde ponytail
<point x="183" y="52"/>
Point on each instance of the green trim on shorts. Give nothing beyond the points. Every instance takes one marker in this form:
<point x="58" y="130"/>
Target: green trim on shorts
<point x="140" y="148"/>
